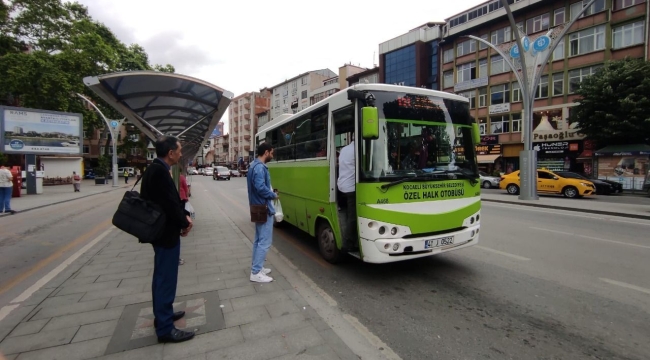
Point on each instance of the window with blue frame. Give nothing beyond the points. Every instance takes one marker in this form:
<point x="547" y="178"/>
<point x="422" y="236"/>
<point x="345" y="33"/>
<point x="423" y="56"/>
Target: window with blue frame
<point x="400" y="66"/>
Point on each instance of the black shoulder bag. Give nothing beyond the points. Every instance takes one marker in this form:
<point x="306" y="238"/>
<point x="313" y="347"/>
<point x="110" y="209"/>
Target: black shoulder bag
<point x="139" y="217"/>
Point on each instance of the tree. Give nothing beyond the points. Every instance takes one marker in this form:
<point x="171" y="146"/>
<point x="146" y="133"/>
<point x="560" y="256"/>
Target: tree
<point x="47" y="47"/>
<point x="614" y="107"/>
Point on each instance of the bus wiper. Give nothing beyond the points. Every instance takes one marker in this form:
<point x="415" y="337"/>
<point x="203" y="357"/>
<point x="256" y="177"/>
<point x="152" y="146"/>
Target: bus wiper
<point x="464" y="174"/>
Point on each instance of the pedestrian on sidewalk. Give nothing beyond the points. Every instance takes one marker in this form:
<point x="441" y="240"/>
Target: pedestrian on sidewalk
<point x="126" y="176"/>
<point x="158" y="187"/>
<point x="6" y="187"/>
<point x="76" y="181"/>
<point x="184" y="191"/>
<point x="260" y="193"/>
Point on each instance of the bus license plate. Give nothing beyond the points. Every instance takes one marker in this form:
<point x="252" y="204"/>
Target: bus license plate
<point x="428" y="244"/>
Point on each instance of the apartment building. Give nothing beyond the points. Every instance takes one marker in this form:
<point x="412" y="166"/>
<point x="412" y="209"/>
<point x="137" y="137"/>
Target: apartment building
<point x="368" y="76"/>
<point x="98" y="142"/>
<point x="220" y="148"/>
<point x="412" y="59"/>
<point x="608" y="30"/>
<point x="244" y="111"/>
<point x="293" y="95"/>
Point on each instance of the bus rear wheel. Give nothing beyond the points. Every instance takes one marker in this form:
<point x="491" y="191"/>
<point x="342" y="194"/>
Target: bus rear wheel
<point x="327" y="243"/>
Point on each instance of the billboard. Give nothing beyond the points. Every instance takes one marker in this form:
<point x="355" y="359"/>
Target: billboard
<point x="32" y="131"/>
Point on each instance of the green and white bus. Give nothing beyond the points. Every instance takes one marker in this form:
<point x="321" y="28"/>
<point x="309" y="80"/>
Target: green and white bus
<point x="417" y="180"/>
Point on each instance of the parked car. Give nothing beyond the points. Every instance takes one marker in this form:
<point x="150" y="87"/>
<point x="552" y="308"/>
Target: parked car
<point x="602" y="187"/>
<point x="488" y="181"/>
<point x="235" y="173"/>
<point x="192" y="171"/>
<point x="549" y="182"/>
<point x="221" y="172"/>
<point x="208" y="171"/>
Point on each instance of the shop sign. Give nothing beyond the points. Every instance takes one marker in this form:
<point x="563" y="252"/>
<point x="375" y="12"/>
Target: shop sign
<point x="499" y="108"/>
<point x="489" y="139"/>
<point x="556" y="148"/>
<point x="482" y="149"/>
<point x="553" y="126"/>
<point x="471" y="84"/>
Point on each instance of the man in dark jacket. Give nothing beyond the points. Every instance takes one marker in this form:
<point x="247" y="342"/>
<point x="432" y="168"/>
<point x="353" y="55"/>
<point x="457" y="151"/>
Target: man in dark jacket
<point x="158" y="187"/>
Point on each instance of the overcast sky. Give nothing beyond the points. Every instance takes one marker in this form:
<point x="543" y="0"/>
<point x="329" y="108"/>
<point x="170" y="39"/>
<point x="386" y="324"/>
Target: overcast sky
<point x="244" y="46"/>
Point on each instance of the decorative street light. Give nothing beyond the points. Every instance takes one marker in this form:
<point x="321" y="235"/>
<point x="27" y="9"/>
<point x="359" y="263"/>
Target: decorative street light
<point x="112" y="125"/>
<point x="529" y="57"/>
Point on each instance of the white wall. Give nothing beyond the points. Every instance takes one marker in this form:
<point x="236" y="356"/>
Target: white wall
<point x="62" y="166"/>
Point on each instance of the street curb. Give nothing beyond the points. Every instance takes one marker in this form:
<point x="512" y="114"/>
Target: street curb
<point x="64" y="201"/>
<point x="597" y="212"/>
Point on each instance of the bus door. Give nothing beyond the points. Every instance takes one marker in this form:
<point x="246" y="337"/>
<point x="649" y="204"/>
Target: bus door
<point x="343" y="121"/>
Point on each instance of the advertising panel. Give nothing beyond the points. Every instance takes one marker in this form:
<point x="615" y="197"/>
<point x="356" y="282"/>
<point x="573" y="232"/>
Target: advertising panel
<point x="32" y="131"/>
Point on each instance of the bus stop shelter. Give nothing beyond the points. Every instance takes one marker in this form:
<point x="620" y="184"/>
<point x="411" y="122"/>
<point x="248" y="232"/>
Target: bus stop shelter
<point x="160" y="103"/>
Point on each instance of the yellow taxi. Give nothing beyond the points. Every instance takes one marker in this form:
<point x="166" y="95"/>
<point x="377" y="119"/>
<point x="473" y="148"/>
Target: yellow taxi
<point x="549" y="182"/>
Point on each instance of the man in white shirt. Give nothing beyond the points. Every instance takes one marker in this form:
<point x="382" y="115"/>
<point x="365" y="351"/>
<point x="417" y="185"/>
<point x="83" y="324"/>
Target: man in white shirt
<point x="346" y="184"/>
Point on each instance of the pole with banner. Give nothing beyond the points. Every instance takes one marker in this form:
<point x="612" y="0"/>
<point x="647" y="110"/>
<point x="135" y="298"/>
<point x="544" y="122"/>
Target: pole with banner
<point x="527" y="57"/>
<point x="114" y="127"/>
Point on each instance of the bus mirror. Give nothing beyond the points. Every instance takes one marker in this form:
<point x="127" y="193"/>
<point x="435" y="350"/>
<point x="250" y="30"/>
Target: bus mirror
<point x="476" y="134"/>
<point x="369" y="123"/>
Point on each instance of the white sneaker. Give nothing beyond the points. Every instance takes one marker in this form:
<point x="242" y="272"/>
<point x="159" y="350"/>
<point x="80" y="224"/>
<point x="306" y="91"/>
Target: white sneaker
<point x="260" y="277"/>
<point x="266" y="271"/>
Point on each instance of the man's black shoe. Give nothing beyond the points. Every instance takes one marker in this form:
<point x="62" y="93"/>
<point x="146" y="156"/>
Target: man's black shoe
<point x="177" y="316"/>
<point x="176" y="336"/>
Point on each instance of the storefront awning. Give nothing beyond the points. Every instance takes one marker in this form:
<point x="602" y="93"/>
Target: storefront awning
<point x="624" y="150"/>
<point x="487" y="159"/>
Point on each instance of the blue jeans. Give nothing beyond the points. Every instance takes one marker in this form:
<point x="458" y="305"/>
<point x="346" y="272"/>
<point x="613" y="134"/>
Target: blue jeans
<point x="163" y="286"/>
<point x="5" y="198"/>
<point x="262" y="244"/>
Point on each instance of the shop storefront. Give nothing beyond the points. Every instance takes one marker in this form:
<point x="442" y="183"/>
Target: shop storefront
<point x="509" y="161"/>
<point x="627" y="164"/>
<point x="558" y="155"/>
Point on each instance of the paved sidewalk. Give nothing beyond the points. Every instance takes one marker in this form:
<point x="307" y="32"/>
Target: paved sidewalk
<point x="100" y="306"/>
<point x="586" y="204"/>
<point x="62" y="193"/>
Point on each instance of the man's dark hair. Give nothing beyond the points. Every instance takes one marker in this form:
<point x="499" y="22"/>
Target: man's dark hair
<point x="165" y="144"/>
<point x="263" y="147"/>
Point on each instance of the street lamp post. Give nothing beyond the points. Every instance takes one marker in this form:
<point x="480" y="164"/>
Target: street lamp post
<point x="112" y="125"/>
<point x="529" y="57"/>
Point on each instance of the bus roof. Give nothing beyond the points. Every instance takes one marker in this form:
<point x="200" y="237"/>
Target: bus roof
<point x="284" y="118"/>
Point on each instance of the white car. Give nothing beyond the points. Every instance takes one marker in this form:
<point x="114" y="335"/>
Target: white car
<point x="208" y="171"/>
<point x="488" y="182"/>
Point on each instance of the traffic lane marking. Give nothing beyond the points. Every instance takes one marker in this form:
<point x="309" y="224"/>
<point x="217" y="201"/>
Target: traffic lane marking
<point x="512" y="256"/>
<point x="567" y="213"/>
<point x="626" y="285"/>
<point x="592" y="238"/>
<point x="58" y="253"/>
<point x="15" y="303"/>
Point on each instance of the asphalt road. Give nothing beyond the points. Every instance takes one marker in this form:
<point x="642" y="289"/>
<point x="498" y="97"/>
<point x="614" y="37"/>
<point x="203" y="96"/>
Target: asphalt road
<point x="37" y="241"/>
<point x="541" y="284"/>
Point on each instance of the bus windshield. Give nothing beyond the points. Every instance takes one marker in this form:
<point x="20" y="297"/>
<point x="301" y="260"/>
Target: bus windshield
<point x="419" y="135"/>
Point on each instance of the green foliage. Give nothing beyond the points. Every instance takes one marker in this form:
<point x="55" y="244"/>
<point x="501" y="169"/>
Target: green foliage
<point x="615" y="108"/>
<point x="103" y="166"/>
<point x="47" y="47"/>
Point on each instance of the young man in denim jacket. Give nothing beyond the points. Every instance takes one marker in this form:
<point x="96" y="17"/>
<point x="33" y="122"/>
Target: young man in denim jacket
<point x="260" y="193"/>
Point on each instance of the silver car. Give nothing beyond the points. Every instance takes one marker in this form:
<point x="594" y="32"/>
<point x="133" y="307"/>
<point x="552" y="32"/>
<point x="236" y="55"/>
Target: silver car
<point x="488" y="182"/>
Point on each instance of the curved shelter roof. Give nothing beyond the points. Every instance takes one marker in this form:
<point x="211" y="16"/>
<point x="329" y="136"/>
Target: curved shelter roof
<point x="162" y="103"/>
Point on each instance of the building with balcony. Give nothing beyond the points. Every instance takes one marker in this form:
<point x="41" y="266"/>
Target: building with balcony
<point x="244" y="111"/>
<point x="608" y="30"/>
<point x="293" y="95"/>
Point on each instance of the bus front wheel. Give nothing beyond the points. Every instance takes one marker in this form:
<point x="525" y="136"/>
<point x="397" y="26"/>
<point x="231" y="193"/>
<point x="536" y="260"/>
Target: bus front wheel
<point x="327" y="243"/>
